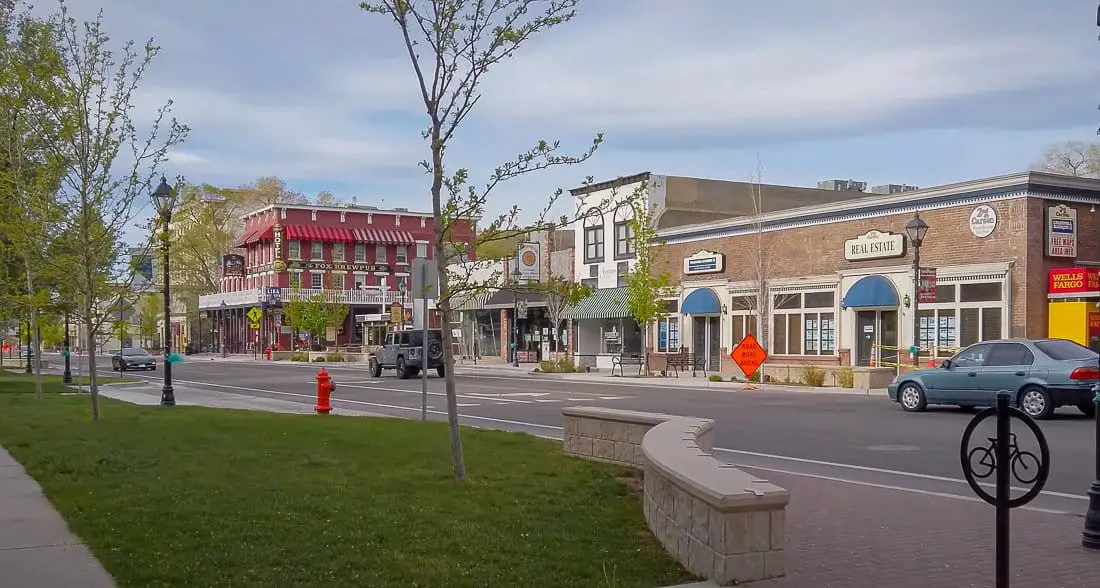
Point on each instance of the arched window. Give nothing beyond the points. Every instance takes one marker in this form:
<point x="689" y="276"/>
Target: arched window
<point x="593" y="236"/>
<point x="624" y="232"/>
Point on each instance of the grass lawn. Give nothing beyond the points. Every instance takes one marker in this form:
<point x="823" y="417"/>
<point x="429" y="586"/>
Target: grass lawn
<point x="191" y="497"/>
<point x="21" y="383"/>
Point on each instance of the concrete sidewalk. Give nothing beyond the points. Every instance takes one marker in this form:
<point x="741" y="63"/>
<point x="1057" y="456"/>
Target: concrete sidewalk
<point x="37" y="550"/>
<point x="148" y="394"/>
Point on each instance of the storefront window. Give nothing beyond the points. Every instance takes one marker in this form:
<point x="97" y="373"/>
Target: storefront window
<point x="962" y="315"/>
<point x="804" y="324"/>
<point x="742" y="325"/>
<point x="668" y="334"/>
<point x="620" y="336"/>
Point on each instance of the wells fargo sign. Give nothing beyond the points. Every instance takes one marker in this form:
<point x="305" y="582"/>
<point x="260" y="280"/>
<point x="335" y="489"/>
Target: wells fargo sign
<point x="1074" y="280"/>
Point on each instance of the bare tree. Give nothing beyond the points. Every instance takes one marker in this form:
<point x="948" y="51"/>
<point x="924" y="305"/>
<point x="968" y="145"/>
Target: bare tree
<point x="452" y="45"/>
<point x="1072" y="158"/>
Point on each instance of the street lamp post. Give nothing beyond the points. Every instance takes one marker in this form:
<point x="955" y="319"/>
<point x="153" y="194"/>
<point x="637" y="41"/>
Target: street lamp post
<point x="30" y="348"/>
<point x="221" y="331"/>
<point x="67" y="377"/>
<point x="165" y="199"/>
<point x="515" y="318"/>
<point x="1091" y="536"/>
<point x="916" y="229"/>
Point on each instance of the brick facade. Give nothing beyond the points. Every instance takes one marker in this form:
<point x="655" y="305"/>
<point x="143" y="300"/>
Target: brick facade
<point x="808" y="244"/>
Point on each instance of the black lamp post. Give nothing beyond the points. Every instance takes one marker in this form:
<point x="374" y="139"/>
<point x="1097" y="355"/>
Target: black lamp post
<point x="515" y="317"/>
<point x="916" y="229"/>
<point x="165" y="199"/>
<point x="221" y="331"/>
<point x="67" y="377"/>
<point x="1090" y="538"/>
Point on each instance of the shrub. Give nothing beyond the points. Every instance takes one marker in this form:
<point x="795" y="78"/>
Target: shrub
<point x="755" y="377"/>
<point x="714" y="378"/>
<point x="318" y="358"/>
<point x="334" y="357"/>
<point x="299" y="356"/>
<point x="546" y="367"/>
<point x="564" y="365"/>
<point x="846" y="378"/>
<point x="813" y="376"/>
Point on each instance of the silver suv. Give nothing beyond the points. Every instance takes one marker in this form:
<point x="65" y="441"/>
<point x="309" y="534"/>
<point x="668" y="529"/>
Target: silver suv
<point x="404" y="351"/>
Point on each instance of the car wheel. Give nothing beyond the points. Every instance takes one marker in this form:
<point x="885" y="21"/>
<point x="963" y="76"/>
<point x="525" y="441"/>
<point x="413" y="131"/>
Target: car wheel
<point x="375" y="368"/>
<point x="1036" y="403"/>
<point x="1087" y="408"/>
<point x="442" y="371"/>
<point x="121" y="367"/>
<point x="154" y="368"/>
<point x="911" y="398"/>
<point x="402" y="369"/>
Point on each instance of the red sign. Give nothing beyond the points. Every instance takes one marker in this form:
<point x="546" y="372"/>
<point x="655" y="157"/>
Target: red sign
<point x="749" y="355"/>
<point x="1073" y="280"/>
<point x="7" y="347"/>
<point x="926" y="291"/>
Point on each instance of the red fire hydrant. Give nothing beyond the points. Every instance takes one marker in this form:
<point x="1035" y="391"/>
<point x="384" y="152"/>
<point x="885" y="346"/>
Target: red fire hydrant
<point x="325" y="388"/>
<point x="267" y="353"/>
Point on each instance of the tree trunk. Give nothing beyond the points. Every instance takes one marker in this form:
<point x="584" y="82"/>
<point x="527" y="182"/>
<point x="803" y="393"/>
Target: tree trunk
<point x="93" y="385"/>
<point x="33" y="340"/>
<point x="458" y="461"/>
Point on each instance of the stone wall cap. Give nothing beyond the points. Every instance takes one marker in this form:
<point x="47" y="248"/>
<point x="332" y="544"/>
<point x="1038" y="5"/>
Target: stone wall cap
<point x="669" y="448"/>
<point x="617" y="415"/>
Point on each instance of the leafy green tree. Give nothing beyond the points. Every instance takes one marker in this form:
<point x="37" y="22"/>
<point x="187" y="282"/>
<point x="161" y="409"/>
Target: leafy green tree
<point x="109" y="165"/>
<point x="646" y="285"/>
<point x="452" y="45"/>
<point x="314" y="315"/>
<point x="561" y="293"/>
<point x="149" y="318"/>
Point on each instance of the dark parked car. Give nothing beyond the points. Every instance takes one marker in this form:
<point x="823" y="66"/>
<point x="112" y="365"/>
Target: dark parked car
<point x="133" y="358"/>
<point x="1043" y="374"/>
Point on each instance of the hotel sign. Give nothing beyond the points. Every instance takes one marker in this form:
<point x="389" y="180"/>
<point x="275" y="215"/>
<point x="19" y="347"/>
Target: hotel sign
<point x="705" y="262"/>
<point x="874" y="245"/>
<point x="1061" y="231"/>
<point x="277" y="248"/>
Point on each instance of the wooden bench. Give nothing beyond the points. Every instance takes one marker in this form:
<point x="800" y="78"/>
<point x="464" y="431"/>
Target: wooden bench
<point x="678" y="362"/>
<point x="624" y="359"/>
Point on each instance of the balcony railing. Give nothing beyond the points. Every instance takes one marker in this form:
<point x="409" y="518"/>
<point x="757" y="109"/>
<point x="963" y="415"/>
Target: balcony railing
<point x="370" y="296"/>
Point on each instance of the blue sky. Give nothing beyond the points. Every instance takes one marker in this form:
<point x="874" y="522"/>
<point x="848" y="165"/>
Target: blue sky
<point x="888" y="91"/>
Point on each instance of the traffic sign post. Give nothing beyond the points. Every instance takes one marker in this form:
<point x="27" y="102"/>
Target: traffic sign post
<point x="749" y="356"/>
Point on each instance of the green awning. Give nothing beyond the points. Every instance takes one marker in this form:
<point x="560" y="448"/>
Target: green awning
<point x="605" y="303"/>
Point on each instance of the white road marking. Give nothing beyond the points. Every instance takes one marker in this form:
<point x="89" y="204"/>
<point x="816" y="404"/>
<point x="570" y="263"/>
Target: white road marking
<point x="900" y="488"/>
<point x="882" y="471"/>
<point x="613" y="397"/>
<point x="364" y="403"/>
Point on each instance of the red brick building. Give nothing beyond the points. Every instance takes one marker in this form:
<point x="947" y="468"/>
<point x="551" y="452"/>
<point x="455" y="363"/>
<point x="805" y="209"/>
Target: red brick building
<point x="355" y="255"/>
<point x="838" y="279"/>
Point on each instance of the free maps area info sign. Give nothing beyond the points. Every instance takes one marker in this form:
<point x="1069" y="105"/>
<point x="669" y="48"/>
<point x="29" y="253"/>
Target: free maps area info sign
<point x="749" y="355"/>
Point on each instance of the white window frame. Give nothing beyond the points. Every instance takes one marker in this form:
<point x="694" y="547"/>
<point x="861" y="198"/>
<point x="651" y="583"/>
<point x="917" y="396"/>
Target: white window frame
<point x="360" y="253"/>
<point x="296" y="279"/>
<point x="313" y="280"/>
<point x="294" y="249"/>
<point x="402" y="254"/>
<point x="381" y="248"/>
<point x="957" y="282"/>
<point x="421" y="250"/>
<point x="669" y="320"/>
<point x="804" y="313"/>
<point x="316" y="251"/>
<point x="338" y="252"/>
<point x="338" y="276"/>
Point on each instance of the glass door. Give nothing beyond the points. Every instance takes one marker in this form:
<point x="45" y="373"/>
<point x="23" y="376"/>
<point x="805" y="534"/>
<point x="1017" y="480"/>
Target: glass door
<point x="865" y="336"/>
<point x="714" y="343"/>
<point x="888" y="338"/>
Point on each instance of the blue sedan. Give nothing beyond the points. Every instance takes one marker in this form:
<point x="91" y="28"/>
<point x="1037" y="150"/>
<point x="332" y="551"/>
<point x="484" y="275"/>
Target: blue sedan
<point x="1044" y="374"/>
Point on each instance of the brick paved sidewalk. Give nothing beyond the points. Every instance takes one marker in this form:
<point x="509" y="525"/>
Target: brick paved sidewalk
<point x="842" y="535"/>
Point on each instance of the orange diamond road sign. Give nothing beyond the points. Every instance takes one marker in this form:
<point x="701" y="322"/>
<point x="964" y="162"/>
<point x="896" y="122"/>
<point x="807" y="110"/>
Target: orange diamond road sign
<point x="749" y="355"/>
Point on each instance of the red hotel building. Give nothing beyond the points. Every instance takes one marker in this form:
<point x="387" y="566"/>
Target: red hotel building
<point x="356" y="255"/>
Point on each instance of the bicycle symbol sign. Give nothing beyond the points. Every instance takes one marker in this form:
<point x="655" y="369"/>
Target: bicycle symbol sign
<point x="980" y="462"/>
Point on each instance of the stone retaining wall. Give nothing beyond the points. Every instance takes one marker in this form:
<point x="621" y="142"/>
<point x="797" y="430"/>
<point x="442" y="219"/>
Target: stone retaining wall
<point x="719" y="522"/>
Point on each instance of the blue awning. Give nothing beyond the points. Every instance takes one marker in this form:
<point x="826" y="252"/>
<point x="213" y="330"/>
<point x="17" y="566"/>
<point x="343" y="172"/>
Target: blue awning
<point x="701" y="301"/>
<point x="870" y="291"/>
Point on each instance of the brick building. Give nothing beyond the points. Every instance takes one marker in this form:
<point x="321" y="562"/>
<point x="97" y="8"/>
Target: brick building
<point x="360" y="256"/>
<point x="837" y="280"/>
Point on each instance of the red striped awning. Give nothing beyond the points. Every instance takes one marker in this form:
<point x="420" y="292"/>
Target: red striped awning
<point x="319" y="233"/>
<point x="256" y="233"/>
<point x="383" y="236"/>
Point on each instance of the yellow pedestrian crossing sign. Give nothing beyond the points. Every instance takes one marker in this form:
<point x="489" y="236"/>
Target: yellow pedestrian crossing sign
<point x="254" y="315"/>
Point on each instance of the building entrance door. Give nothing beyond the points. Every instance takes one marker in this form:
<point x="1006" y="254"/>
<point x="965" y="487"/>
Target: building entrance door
<point x="880" y="328"/>
<point x="706" y="338"/>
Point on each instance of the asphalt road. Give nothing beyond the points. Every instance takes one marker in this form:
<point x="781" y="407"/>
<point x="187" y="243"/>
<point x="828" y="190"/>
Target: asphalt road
<point x="863" y="439"/>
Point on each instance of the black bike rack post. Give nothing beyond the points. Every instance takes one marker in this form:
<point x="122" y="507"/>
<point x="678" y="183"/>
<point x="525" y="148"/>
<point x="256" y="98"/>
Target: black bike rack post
<point x="1004" y="458"/>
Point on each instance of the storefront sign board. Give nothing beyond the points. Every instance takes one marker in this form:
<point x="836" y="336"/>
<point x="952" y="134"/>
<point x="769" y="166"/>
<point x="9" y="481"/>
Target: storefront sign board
<point x="927" y="287"/>
<point x="705" y="262"/>
<point x="874" y="245"/>
<point x="1074" y="280"/>
<point x="1061" y="231"/>
<point x="983" y="221"/>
